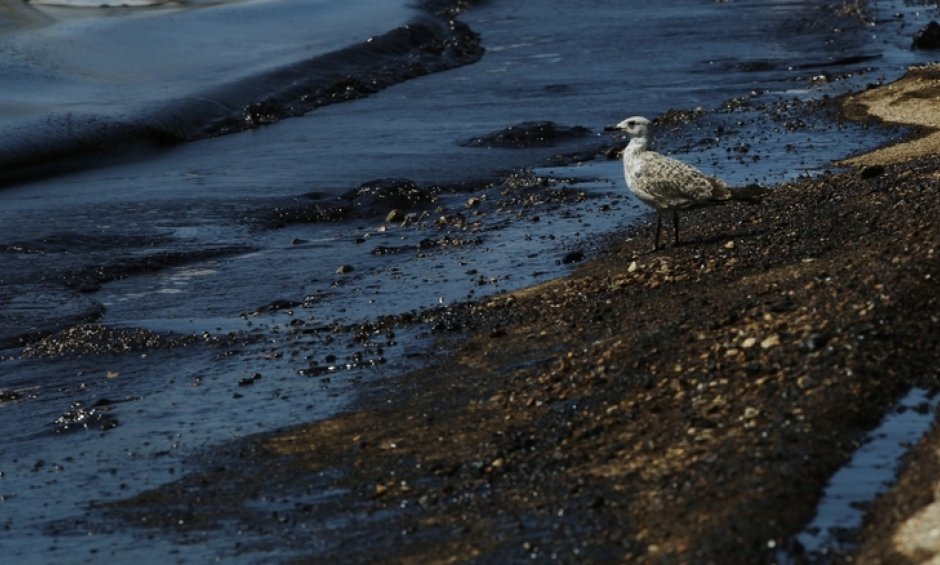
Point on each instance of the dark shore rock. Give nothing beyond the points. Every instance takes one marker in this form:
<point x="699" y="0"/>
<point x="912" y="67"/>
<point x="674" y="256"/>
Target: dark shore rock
<point x="928" y="37"/>
<point x="380" y="196"/>
<point x="384" y="198"/>
<point x="95" y="339"/>
<point x="528" y="134"/>
<point x="81" y="418"/>
<point x="304" y="213"/>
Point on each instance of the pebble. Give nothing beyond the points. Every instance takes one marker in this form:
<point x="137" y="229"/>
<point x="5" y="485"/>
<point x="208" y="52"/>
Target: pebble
<point x="770" y="341"/>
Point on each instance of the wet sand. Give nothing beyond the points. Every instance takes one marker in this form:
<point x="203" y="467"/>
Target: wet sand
<point x="686" y="405"/>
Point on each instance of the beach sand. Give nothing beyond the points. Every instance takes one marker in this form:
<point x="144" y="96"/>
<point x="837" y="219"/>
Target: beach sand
<point x="687" y="405"/>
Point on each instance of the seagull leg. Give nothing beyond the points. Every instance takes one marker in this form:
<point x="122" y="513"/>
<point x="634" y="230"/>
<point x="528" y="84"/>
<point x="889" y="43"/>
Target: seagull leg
<point x="675" y="225"/>
<point x="659" y="227"/>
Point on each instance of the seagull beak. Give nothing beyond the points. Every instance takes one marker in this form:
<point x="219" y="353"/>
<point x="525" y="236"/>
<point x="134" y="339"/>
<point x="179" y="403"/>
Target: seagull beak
<point x="611" y="128"/>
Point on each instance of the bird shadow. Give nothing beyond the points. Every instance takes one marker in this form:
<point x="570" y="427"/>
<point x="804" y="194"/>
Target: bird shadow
<point x="708" y="240"/>
<point x="718" y="238"/>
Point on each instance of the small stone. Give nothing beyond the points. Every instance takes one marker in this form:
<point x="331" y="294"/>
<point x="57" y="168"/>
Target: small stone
<point x="473" y="202"/>
<point x="344" y="269"/>
<point x="872" y="171"/>
<point x="572" y="257"/>
<point x="770" y="341"/>
<point x="248" y="381"/>
<point x="748" y="343"/>
<point x="729" y="245"/>
<point x="632" y="267"/>
<point x="750" y="413"/>
<point x="395" y="215"/>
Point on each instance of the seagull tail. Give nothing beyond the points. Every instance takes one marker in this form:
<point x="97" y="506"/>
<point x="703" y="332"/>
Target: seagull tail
<point x="752" y="193"/>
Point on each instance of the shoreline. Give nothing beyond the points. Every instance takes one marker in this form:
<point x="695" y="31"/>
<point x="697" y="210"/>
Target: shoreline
<point x="688" y="404"/>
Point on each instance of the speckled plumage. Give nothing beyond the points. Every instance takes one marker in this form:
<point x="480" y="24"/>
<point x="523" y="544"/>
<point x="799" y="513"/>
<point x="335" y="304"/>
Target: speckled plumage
<point x="664" y="183"/>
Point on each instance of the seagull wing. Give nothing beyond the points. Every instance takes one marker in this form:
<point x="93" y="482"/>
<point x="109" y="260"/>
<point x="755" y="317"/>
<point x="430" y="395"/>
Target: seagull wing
<point x="674" y="184"/>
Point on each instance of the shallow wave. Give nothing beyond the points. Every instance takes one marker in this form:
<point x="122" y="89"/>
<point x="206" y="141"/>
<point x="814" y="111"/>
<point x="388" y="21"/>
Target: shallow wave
<point x="98" y="3"/>
<point x="64" y="142"/>
<point x="36" y="310"/>
<point x="423" y="47"/>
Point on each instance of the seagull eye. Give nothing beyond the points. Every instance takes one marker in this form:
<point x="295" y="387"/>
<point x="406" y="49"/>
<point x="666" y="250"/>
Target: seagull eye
<point x="631" y="123"/>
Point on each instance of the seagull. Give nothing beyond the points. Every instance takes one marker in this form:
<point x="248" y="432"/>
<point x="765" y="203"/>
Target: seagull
<point x="667" y="184"/>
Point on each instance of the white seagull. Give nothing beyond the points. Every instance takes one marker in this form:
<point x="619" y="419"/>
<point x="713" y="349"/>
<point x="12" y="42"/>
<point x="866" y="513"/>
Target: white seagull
<point x="669" y="185"/>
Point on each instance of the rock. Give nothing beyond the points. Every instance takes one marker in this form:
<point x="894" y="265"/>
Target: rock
<point x="872" y="171"/>
<point x="814" y="342"/>
<point x="928" y="37"/>
<point x="572" y="257"/>
<point x="275" y="306"/>
<point x="248" y="381"/>
<point x="344" y="269"/>
<point x="77" y="417"/>
<point x="260" y="113"/>
<point x="391" y="249"/>
<point x="409" y="219"/>
<point x="385" y="196"/>
<point x="770" y="341"/>
<point x="528" y="134"/>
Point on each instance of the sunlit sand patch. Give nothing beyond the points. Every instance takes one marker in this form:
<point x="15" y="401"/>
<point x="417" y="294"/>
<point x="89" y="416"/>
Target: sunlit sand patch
<point x="919" y="537"/>
<point x="912" y="100"/>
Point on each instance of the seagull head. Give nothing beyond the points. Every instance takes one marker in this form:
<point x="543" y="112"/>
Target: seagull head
<point x="635" y="126"/>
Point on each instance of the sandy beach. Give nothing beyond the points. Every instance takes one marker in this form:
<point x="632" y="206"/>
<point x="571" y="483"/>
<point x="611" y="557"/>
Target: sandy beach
<point x="687" y="405"/>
